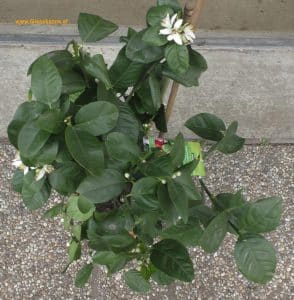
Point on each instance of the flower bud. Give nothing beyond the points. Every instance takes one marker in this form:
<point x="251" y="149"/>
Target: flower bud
<point x="178" y="173"/>
<point x="127" y="175"/>
<point x="163" y="181"/>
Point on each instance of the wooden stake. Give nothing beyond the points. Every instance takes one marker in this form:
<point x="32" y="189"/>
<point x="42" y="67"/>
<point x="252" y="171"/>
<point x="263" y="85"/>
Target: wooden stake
<point x="192" y="13"/>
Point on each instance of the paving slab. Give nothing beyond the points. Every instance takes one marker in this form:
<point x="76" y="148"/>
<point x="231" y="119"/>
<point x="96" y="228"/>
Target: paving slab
<point x="33" y="250"/>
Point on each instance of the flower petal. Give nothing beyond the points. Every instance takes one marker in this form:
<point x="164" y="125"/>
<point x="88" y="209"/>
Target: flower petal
<point x="165" y="31"/>
<point x="173" y="19"/>
<point x="177" y="38"/>
<point x="178" y="24"/>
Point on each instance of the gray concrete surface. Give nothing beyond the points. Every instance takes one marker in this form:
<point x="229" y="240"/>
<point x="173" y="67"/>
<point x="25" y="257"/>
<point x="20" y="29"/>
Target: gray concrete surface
<point x="250" y="78"/>
<point x="224" y="14"/>
<point x="33" y="250"/>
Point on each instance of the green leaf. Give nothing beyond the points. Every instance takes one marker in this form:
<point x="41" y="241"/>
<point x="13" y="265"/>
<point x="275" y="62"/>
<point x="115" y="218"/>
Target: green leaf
<point x="51" y="121"/>
<point x="76" y="231"/>
<point x="83" y="275"/>
<point x="172" y="258"/>
<point x="177" y="58"/>
<point x="188" y="234"/>
<point x="94" y="28"/>
<point x="178" y="151"/>
<point x="128" y="150"/>
<point x="261" y="216"/>
<point x="144" y="193"/>
<point x="214" y="233"/>
<point x="17" y="180"/>
<point x="46" y="81"/>
<point x="156" y="14"/>
<point x="96" y="67"/>
<point x="162" y="278"/>
<point x="27" y="111"/>
<point x="85" y="149"/>
<point x="62" y="59"/>
<point x="172" y="3"/>
<point x="207" y="126"/>
<point x="157" y="167"/>
<point x="179" y="199"/>
<point x="31" y="139"/>
<point x="54" y="211"/>
<point x="66" y="178"/>
<point x="124" y="72"/>
<point x="136" y="281"/>
<point x="166" y="205"/>
<point x="255" y="258"/>
<point x="230" y="144"/>
<point x="160" y="119"/>
<point x="227" y="200"/>
<point x="34" y="193"/>
<point x="97" y="118"/>
<point x="190" y="78"/>
<point x="141" y="52"/>
<point x="79" y="208"/>
<point x="153" y="38"/>
<point x="119" y="242"/>
<point x="113" y="261"/>
<point x="102" y="188"/>
<point x="150" y="95"/>
<point x="72" y="82"/>
<point x="74" y="251"/>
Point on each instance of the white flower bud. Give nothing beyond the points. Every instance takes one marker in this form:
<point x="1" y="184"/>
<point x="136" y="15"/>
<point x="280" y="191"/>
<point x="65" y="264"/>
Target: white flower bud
<point x="127" y="175"/>
<point x="178" y="173"/>
<point x="144" y="161"/>
<point x="174" y="176"/>
<point x="163" y="181"/>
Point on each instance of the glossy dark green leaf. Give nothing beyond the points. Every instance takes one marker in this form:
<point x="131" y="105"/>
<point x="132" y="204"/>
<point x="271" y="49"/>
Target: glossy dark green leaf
<point x="62" y="59"/>
<point x="17" y="180"/>
<point x="144" y="193"/>
<point x="31" y="139"/>
<point x="162" y="278"/>
<point x="178" y="196"/>
<point x="214" y="233"/>
<point x="93" y="28"/>
<point x="105" y="257"/>
<point x="27" y="111"/>
<point x="228" y="200"/>
<point x="166" y="205"/>
<point x="79" y="208"/>
<point x="54" y="211"/>
<point x="102" y="188"/>
<point x="96" y="67"/>
<point x="172" y="258"/>
<point x="85" y="149"/>
<point x="160" y="119"/>
<point x="51" y="121"/>
<point x="83" y="275"/>
<point x="34" y="193"/>
<point x="177" y="58"/>
<point x="136" y="281"/>
<point x="141" y="52"/>
<point x="124" y="72"/>
<point x="156" y="14"/>
<point x="97" y="118"/>
<point x="72" y="82"/>
<point x="255" y="258"/>
<point x="172" y="3"/>
<point x="188" y="234"/>
<point x="178" y="151"/>
<point x="157" y="167"/>
<point x="153" y="38"/>
<point x="128" y="150"/>
<point x="46" y="81"/>
<point x="119" y="242"/>
<point x="191" y="77"/>
<point x="230" y="144"/>
<point x="66" y="178"/>
<point x="207" y="126"/>
<point x="261" y="216"/>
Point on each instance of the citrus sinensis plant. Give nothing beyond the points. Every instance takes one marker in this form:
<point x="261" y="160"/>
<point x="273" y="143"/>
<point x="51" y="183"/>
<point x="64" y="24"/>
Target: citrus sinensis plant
<point x="85" y="133"/>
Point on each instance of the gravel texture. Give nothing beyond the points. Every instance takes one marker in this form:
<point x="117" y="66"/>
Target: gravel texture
<point x="33" y="250"/>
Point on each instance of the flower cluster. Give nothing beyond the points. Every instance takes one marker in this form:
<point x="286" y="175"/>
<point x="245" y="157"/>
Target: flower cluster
<point x="176" y="30"/>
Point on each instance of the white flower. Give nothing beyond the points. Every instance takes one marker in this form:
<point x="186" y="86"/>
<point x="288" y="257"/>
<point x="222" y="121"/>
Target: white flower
<point x="40" y="173"/>
<point x="17" y="162"/>
<point x="176" y="31"/>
